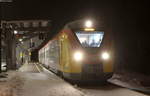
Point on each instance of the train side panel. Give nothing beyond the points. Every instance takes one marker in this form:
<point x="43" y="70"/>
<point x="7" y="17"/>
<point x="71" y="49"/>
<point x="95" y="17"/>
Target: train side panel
<point x="66" y="55"/>
<point x="52" y="55"/>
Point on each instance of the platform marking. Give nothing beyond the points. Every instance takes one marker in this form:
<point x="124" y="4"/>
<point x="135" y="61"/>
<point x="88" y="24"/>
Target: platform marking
<point x="37" y="68"/>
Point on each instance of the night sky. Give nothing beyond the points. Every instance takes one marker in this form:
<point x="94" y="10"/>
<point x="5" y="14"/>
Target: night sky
<point x="128" y="19"/>
<point x="60" y="9"/>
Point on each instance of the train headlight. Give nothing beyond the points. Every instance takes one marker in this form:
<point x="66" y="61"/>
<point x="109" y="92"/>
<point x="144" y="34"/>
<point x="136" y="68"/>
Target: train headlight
<point x="88" y="24"/>
<point x="105" y="56"/>
<point x="78" y="56"/>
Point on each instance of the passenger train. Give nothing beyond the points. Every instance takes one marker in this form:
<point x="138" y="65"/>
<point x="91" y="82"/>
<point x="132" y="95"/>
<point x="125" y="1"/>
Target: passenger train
<point x="81" y="51"/>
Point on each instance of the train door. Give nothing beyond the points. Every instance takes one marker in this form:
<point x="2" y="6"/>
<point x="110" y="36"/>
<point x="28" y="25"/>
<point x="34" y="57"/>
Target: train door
<point x="64" y="54"/>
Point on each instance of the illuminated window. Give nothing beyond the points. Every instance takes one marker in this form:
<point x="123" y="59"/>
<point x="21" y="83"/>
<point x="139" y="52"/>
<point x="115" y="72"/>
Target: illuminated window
<point x="90" y="39"/>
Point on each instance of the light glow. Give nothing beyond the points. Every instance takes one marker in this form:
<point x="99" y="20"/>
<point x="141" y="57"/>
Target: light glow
<point x="105" y="56"/>
<point x="20" y="39"/>
<point x="89" y="29"/>
<point x="78" y="56"/>
<point x="88" y="24"/>
<point x="15" y="31"/>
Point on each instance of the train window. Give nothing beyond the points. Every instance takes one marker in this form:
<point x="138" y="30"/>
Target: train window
<point x="54" y="52"/>
<point x="90" y="39"/>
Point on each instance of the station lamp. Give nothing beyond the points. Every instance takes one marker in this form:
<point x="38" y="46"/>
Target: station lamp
<point x="15" y="31"/>
<point x="20" y="39"/>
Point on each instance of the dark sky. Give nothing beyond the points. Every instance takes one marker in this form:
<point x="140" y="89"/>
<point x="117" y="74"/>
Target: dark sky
<point x="54" y="9"/>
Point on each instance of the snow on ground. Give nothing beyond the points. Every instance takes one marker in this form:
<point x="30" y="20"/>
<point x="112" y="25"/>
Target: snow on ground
<point x="109" y="90"/>
<point x="132" y="80"/>
<point x="39" y="84"/>
<point x="44" y="83"/>
<point x="32" y="80"/>
<point x="29" y="67"/>
<point x="11" y="85"/>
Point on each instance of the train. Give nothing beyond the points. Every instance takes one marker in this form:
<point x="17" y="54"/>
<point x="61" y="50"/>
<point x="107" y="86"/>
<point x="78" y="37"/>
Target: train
<point x="83" y="50"/>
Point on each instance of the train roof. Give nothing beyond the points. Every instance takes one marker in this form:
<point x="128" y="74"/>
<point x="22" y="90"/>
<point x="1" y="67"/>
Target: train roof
<point x="73" y="25"/>
<point x="81" y="24"/>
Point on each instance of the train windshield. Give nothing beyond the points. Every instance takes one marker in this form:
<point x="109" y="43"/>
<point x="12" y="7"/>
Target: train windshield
<point x="90" y="39"/>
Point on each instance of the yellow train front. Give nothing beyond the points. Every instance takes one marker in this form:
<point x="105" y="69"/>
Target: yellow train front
<point x="80" y="52"/>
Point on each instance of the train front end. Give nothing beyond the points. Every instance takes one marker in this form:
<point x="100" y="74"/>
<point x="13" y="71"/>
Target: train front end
<point x="92" y="54"/>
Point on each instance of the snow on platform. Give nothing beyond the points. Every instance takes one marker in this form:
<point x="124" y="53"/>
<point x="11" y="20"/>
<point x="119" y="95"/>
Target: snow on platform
<point x="11" y="84"/>
<point x="109" y="90"/>
<point x="40" y="84"/>
<point x="32" y="80"/>
<point x="44" y="83"/>
<point x="132" y="80"/>
<point x="29" y="67"/>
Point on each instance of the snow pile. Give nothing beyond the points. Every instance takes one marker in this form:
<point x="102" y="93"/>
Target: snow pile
<point x="132" y="80"/>
<point x="11" y="85"/>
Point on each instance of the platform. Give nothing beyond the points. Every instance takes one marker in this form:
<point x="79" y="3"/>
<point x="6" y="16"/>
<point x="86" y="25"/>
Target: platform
<point x="34" y="80"/>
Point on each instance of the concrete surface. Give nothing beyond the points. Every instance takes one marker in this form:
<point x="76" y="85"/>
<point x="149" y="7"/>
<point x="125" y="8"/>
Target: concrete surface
<point x="34" y="80"/>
